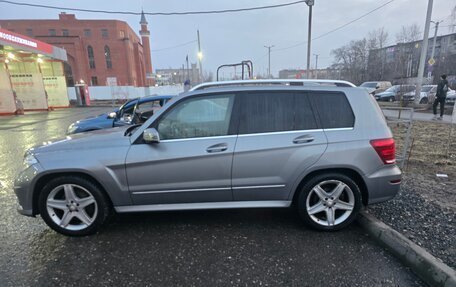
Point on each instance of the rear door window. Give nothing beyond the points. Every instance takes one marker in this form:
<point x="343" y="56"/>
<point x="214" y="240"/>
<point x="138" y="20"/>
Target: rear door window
<point x="264" y="112"/>
<point x="333" y="109"/>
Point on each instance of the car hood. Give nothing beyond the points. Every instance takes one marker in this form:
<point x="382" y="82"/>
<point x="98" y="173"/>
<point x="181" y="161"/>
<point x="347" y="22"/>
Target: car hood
<point x="94" y="121"/>
<point x="89" y="140"/>
<point x="385" y="94"/>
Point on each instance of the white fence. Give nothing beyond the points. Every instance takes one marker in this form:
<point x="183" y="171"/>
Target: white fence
<point x="127" y="92"/>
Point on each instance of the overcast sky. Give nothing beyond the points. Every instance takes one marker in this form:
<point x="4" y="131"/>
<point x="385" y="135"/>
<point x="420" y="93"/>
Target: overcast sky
<point x="230" y="38"/>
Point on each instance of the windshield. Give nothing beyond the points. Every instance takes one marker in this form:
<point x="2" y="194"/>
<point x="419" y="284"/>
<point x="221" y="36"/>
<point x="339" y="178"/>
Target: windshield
<point x="393" y="89"/>
<point x="369" y="85"/>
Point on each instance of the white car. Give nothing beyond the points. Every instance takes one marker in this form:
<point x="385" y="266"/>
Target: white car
<point x="427" y="95"/>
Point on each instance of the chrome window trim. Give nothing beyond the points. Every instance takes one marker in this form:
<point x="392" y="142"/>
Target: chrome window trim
<point x="204" y="205"/>
<point x="338" y="129"/>
<point x="282" y="132"/>
<point x="199" y="138"/>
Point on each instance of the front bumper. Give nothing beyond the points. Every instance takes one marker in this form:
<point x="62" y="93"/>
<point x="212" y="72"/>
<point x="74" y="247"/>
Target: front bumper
<point x="23" y="188"/>
<point x="383" y="184"/>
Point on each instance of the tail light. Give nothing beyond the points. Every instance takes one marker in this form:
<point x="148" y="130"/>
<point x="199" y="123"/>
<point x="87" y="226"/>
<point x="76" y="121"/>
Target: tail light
<point x="385" y="149"/>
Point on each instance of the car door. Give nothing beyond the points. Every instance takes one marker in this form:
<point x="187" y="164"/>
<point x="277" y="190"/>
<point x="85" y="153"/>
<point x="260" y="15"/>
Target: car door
<point x="192" y="162"/>
<point x="279" y="138"/>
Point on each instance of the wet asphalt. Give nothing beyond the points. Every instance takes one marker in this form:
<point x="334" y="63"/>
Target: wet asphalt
<point x="262" y="247"/>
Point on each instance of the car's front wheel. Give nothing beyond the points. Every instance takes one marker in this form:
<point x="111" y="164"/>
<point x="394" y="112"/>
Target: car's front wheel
<point x="73" y="206"/>
<point x="329" y="202"/>
<point x="424" y="101"/>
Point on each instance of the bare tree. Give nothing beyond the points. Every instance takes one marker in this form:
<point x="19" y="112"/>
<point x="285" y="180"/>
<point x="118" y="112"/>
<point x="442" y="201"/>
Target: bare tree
<point x="352" y="60"/>
<point x="409" y="34"/>
<point x="377" y="39"/>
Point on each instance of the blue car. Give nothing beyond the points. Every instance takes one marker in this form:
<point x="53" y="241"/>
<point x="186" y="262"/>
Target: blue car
<point x="134" y="111"/>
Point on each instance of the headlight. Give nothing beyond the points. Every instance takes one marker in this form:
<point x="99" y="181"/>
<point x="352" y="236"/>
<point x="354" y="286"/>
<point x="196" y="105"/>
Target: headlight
<point x="29" y="159"/>
<point x="72" y="128"/>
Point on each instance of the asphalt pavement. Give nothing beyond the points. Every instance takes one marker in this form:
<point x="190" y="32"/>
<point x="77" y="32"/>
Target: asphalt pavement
<point x="417" y="116"/>
<point x="262" y="247"/>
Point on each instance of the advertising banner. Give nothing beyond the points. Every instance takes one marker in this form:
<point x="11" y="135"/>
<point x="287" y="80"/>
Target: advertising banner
<point x="29" y="89"/>
<point x="7" y="103"/>
<point x="56" y="90"/>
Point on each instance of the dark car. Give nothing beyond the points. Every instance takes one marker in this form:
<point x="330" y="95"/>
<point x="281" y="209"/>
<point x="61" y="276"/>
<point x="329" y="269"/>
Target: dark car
<point x="394" y="93"/>
<point x="134" y="111"/>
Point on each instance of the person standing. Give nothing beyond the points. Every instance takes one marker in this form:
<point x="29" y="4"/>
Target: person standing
<point x="442" y="89"/>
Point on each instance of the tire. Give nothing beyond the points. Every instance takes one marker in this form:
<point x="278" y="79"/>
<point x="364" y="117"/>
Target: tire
<point x="391" y="99"/>
<point x="424" y="101"/>
<point x="315" y="208"/>
<point x="73" y="206"/>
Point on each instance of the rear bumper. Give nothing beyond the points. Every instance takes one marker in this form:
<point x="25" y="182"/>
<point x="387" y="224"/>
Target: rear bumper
<point x="383" y="184"/>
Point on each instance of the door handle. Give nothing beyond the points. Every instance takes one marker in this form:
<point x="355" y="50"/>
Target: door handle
<point x="217" y="148"/>
<point x="303" y="139"/>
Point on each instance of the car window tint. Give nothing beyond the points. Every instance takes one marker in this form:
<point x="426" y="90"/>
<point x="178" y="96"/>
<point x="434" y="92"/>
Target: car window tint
<point x="304" y="116"/>
<point x="333" y="109"/>
<point x="266" y="112"/>
<point x="198" y="117"/>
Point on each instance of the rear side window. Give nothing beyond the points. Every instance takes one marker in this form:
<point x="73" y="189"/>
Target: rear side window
<point x="333" y="109"/>
<point x="263" y="112"/>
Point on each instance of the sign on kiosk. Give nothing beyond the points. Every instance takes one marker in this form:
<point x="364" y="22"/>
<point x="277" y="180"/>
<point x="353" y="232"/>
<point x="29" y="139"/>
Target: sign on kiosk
<point x="24" y="41"/>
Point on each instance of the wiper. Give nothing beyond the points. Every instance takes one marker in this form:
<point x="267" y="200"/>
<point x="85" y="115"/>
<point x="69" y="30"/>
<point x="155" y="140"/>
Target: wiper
<point x="130" y="129"/>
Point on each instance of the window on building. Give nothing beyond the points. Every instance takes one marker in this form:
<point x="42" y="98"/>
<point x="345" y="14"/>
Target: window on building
<point x="104" y="33"/>
<point x="65" y="32"/>
<point x="121" y="34"/>
<point x="94" y="81"/>
<point x="29" y="32"/>
<point x="87" y="33"/>
<point x="91" y="57"/>
<point x="107" y="53"/>
<point x="52" y="32"/>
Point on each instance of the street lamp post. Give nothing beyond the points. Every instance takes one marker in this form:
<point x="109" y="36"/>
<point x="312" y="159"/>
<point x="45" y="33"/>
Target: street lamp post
<point x="269" y="58"/>
<point x="200" y="57"/>
<point x="309" y="3"/>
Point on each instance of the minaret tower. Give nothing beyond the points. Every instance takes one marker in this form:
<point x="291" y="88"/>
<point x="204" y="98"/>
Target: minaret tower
<point x="145" y="34"/>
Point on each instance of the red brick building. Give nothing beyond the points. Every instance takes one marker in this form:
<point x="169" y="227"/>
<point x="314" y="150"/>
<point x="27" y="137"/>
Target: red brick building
<point x="96" y="49"/>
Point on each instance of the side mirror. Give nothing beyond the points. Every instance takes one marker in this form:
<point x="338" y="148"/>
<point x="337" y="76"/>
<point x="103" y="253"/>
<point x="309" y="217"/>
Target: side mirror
<point x="112" y="115"/>
<point x="151" y="136"/>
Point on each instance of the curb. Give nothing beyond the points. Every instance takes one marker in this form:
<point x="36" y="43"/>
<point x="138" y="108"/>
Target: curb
<point x="430" y="269"/>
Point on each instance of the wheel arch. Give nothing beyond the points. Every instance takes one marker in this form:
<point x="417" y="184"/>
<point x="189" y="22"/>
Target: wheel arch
<point x="43" y="180"/>
<point x="352" y="173"/>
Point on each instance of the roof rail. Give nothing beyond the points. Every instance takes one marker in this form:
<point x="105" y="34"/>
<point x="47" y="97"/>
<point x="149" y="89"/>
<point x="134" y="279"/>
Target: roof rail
<point x="287" y="82"/>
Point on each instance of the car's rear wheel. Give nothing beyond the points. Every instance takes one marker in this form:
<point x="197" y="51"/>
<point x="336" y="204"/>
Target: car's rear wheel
<point x="329" y="202"/>
<point x="73" y="206"/>
<point x="424" y="101"/>
<point x="392" y="99"/>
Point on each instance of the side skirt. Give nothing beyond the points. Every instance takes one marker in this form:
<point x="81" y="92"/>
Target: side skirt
<point x="204" y="205"/>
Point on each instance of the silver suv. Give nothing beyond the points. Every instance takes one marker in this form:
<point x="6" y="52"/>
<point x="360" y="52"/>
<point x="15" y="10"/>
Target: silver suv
<point x="323" y="148"/>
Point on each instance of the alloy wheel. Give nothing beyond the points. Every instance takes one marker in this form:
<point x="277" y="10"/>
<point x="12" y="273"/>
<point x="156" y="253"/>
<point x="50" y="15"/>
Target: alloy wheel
<point x="72" y="207"/>
<point x="330" y="202"/>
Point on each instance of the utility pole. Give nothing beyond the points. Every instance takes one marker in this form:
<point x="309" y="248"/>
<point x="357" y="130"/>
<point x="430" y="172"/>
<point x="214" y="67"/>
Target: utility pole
<point x="435" y="37"/>
<point x="316" y="65"/>
<point x="200" y="57"/>
<point x="424" y="48"/>
<point x="310" y="3"/>
<point x="269" y="64"/>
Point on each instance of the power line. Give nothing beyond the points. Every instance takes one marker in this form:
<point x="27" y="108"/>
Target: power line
<point x="173" y="47"/>
<point x="335" y="29"/>
<point x="155" y="13"/>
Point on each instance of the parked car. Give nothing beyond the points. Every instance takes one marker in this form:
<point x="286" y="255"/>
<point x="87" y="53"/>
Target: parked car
<point x="376" y="87"/>
<point x="325" y="149"/>
<point x="132" y="112"/>
<point x="427" y="95"/>
<point x="394" y="93"/>
<point x="451" y="97"/>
